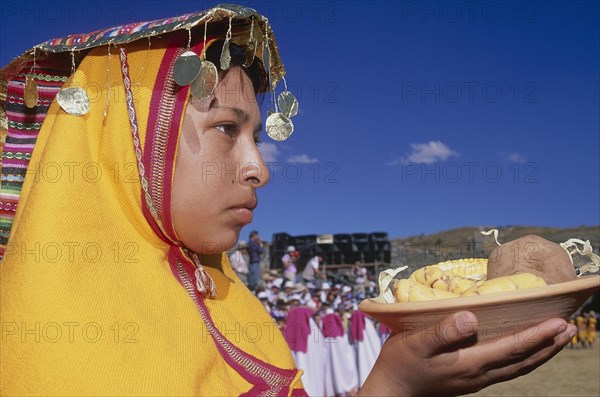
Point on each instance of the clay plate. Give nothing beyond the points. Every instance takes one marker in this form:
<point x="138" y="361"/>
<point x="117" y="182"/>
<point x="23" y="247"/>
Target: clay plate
<point x="499" y="314"/>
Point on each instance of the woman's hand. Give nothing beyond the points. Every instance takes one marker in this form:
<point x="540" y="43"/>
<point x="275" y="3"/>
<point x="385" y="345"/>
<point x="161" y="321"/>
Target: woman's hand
<point x="447" y="359"/>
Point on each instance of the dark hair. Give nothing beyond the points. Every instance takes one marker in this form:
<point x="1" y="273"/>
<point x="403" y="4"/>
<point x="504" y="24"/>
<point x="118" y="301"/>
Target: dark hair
<point x="256" y="71"/>
<point x="253" y="233"/>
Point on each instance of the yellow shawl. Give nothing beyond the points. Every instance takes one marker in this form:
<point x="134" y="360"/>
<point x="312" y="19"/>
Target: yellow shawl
<point x="89" y="301"/>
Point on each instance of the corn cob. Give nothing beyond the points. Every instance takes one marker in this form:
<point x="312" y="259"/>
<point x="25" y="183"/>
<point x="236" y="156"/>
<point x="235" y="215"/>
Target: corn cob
<point x="475" y="268"/>
<point x="434" y="277"/>
<point x="507" y="283"/>
<point x="407" y="290"/>
<point x="430" y="276"/>
<point x="455" y="276"/>
<point x="462" y="277"/>
<point x="459" y="284"/>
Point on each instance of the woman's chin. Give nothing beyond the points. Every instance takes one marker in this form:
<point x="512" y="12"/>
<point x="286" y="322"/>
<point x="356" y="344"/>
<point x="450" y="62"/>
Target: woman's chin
<point x="217" y="245"/>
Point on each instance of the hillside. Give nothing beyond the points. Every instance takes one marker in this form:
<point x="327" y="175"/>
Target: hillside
<point x="465" y="242"/>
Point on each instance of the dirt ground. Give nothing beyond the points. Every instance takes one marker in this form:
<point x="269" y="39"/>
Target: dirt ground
<point x="572" y="373"/>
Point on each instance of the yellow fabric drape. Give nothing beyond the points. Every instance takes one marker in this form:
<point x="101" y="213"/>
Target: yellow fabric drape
<point x="89" y="305"/>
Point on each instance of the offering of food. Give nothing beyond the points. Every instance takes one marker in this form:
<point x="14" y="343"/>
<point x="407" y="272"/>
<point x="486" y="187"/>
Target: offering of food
<point x="523" y="282"/>
<point x="462" y="278"/>
<point x="527" y="262"/>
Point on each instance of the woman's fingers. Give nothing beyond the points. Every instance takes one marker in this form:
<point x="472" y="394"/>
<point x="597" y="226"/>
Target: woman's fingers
<point x="514" y="348"/>
<point x="527" y="356"/>
<point x="526" y="364"/>
<point x="449" y="333"/>
<point x="457" y="360"/>
<point x="471" y="363"/>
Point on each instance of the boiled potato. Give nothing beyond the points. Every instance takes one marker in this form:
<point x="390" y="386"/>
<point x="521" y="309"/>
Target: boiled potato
<point x="531" y="254"/>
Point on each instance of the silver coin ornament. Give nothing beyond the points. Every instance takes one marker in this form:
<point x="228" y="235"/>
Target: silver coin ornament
<point x="288" y="104"/>
<point x="204" y="85"/>
<point x="250" y="52"/>
<point x="74" y="100"/>
<point x="186" y="68"/>
<point x="279" y="127"/>
<point x="31" y="92"/>
<point x="225" y="56"/>
<point x="266" y="60"/>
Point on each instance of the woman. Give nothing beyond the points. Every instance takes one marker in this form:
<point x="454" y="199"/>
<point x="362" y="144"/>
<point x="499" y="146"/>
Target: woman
<point x="121" y="313"/>
<point x="114" y="281"/>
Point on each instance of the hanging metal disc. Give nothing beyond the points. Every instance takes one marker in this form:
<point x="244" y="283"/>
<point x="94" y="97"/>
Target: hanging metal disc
<point x="266" y="61"/>
<point x="279" y="126"/>
<point x="186" y="68"/>
<point x="74" y="100"/>
<point x="288" y="104"/>
<point x="250" y="52"/>
<point x="31" y="92"/>
<point x="204" y="85"/>
<point x="225" y="56"/>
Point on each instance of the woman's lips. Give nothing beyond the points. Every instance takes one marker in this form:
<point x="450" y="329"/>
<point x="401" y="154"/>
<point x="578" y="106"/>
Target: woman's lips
<point x="244" y="211"/>
<point x="243" y="214"/>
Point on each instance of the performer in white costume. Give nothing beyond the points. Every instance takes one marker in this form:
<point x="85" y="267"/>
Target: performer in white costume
<point x="306" y="342"/>
<point x="341" y="373"/>
<point x="366" y="343"/>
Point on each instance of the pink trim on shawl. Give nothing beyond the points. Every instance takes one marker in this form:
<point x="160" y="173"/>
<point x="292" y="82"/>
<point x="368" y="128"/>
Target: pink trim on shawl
<point x="332" y="326"/>
<point x="158" y="160"/>
<point x="357" y="326"/>
<point x="297" y="328"/>
<point x="236" y="358"/>
<point x="167" y="99"/>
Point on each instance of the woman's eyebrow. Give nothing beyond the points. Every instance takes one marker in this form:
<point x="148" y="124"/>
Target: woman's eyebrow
<point x="241" y="114"/>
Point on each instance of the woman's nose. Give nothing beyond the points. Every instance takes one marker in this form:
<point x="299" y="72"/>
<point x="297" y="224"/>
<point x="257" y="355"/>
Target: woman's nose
<point x="254" y="171"/>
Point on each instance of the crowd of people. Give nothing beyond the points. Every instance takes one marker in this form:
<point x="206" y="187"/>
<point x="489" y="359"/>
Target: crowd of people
<point x="326" y="308"/>
<point x="319" y="317"/>
<point x="332" y="341"/>
<point x="587" y="330"/>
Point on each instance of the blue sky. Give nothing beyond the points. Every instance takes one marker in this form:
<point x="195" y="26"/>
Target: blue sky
<point x="415" y="117"/>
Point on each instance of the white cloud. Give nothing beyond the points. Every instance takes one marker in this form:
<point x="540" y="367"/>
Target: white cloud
<point x="427" y="153"/>
<point x="516" y="158"/>
<point x="302" y="159"/>
<point x="269" y="152"/>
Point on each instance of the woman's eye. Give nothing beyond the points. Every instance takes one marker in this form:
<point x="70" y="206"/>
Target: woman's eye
<point x="229" y="129"/>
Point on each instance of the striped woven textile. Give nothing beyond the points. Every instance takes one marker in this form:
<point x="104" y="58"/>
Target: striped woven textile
<point x="122" y="32"/>
<point x="24" y="125"/>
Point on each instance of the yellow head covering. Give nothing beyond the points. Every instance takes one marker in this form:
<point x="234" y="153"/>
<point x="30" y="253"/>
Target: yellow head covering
<point x="89" y="301"/>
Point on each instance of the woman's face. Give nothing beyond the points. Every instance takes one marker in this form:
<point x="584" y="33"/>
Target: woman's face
<point x="218" y="167"/>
